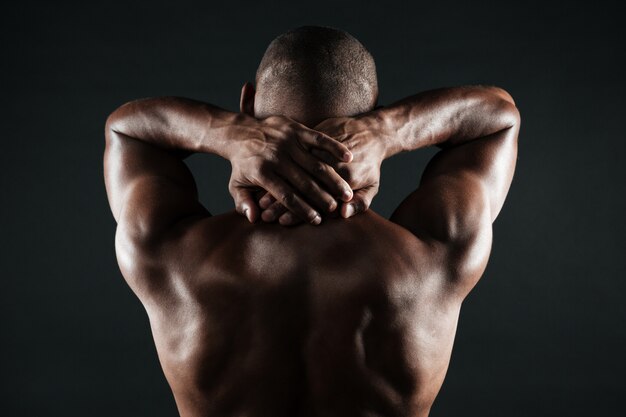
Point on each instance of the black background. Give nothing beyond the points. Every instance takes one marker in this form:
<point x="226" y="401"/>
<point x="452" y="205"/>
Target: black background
<point x="543" y="334"/>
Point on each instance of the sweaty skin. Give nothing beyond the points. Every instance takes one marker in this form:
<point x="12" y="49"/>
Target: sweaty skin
<point x="354" y="317"/>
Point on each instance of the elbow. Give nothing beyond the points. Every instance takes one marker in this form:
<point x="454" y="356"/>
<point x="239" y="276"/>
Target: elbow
<point x="111" y="126"/>
<point x="511" y="115"/>
<point x="111" y="131"/>
<point x="502" y="106"/>
<point x="502" y="94"/>
<point x="116" y="121"/>
<point x="508" y="113"/>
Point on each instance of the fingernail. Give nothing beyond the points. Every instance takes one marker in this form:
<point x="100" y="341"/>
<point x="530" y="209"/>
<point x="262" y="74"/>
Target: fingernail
<point x="317" y="220"/>
<point x="332" y="206"/>
<point x="269" y="216"/>
<point x="246" y="213"/>
<point x="349" y="210"/>
<point x="347" y="156"/>
<point x="347" y="195"/>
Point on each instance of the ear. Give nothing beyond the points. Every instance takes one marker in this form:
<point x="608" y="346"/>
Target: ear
<point x="246" y="102"/>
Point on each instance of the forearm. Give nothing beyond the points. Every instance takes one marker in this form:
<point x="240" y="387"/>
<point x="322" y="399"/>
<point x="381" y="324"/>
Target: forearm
<point x="445" y="117"/>
<point x="178" y="124"/>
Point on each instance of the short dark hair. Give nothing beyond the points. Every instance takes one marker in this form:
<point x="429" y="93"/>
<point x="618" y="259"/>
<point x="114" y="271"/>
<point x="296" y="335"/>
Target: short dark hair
<point x="318" y="67"/>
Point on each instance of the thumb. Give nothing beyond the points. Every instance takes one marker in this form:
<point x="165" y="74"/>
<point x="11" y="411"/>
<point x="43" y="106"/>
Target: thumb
<point x="360" y="202"/>
<point x="245" y="203"/>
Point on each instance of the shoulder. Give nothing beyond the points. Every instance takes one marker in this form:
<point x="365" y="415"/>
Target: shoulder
<point x="149" y="262"/>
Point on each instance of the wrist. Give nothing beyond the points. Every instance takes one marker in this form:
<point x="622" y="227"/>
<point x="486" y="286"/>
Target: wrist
<point x="382" y="125"/>
<point x="239" y="129"/>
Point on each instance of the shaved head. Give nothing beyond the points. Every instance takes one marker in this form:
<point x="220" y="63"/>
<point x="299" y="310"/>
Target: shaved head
<point x="312" y="73"/>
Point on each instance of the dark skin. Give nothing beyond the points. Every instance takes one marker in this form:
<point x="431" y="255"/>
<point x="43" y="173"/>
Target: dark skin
<point x="355" y="316"/>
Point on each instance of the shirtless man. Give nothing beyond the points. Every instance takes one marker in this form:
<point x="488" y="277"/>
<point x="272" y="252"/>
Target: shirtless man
<point x="343" y="314"/>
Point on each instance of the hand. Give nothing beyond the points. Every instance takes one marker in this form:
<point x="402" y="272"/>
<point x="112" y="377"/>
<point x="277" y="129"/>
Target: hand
<point x="365" y="137"/>
<point x="275" y="154"/>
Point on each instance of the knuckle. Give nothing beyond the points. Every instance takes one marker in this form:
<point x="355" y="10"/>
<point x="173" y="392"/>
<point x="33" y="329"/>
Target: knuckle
<point x="317" y="139"/>
<point x="287" y="198"/>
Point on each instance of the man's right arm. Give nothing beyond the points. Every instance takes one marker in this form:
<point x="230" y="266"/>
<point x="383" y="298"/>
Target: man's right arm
<point x="464" y="185"/>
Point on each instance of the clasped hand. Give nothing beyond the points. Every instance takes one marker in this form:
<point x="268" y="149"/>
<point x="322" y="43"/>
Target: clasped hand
<point x="285" y="171"/>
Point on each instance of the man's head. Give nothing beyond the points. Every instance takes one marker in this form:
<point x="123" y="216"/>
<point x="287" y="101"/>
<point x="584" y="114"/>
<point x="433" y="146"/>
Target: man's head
<point x="310" y="74"/>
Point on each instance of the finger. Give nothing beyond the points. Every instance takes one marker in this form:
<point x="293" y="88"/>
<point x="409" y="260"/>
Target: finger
<point x="245" y="203"/>
<point x="286" y="195"/>
<point x="325" y="157"/>
<point x="326" y="175"/>
<point x="273" y="212"/>
<point x="266" y="201"/>
<point x="288" y="219"/>
<point x="307" y="186"/>
<point x="258" y="194"/>
<point x="360" y="202"/>
<point x="314" y="139"/>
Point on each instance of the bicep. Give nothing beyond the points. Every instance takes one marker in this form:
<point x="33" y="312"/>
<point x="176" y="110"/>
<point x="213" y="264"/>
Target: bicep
<point x="462" y="190"/>
<point x="453" y="212"/>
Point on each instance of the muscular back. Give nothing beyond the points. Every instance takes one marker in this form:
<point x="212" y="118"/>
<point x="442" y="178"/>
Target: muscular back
<point x="356" y="317"/>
